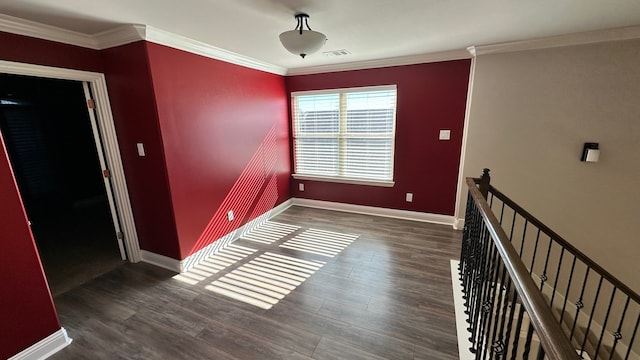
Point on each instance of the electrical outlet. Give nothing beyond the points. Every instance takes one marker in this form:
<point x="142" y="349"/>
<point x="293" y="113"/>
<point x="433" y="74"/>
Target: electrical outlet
<point x="409" y="197"/>
<point x="301" y="187"/>
<point x="230" y="215"/>
<point x="445" y="135"/>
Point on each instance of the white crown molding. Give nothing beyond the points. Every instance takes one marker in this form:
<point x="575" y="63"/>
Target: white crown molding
<point x="120" y="35"/>
<point x="19" y="26"/>
<point x="583" y="38"/>
<point x="380" y="63"/>
<point x="197" y="47"/>
<point x="125" y="34"/>
<point x="376" y="211"/>
<point x="45" y="347"/>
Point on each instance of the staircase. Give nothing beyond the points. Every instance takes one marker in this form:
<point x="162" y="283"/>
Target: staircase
<point x="532" y="295"/>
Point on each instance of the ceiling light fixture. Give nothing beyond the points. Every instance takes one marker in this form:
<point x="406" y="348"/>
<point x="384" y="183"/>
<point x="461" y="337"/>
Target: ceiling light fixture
<point x="300" y="41"/>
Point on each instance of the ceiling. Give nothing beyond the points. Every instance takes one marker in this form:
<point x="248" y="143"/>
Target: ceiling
<point x="369" y="29"/>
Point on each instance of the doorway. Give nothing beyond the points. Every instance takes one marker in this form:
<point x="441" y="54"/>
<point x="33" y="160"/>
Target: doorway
<point x="49" y="138"/>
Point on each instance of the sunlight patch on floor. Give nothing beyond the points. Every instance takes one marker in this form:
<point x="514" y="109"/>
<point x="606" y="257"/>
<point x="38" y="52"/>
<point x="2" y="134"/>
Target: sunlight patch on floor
<point x="215" y="263"/>
<point x="320" y="242"/>
<point x="265" y="280"/>
<point x="270" y="232"/>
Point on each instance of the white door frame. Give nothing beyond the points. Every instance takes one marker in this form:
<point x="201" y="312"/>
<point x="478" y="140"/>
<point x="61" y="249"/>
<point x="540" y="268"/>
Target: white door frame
<point x="107" y="134"/>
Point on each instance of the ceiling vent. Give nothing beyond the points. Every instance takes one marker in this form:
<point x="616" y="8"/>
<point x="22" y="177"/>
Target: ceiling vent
<point x="337" y="52"/>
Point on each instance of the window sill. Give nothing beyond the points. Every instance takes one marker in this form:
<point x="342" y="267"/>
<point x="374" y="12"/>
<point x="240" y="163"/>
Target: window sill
<point x="344" y="180"/>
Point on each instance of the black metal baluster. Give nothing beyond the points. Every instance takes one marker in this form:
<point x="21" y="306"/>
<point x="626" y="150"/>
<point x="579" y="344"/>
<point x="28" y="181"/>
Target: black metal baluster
<point x="566" y="294"/>
<point x="527" y="342"/>
<point x="513" y="225"/>
<point x="606" y="319"/>
<point x="633" y="338"/>
<point x="511" y="304"/>
<point x="471" y="256"/>
<point x="535" y="252"/>
<point x="593" y="309"/>
<point x="579" y="304"/>
<point x="480" y="283"/>
<point x="487" y="303"/>
<point x="498" y="345"/>
<point x="517" y="332"/>
<point x="555" y="283"/>
<point x="524" y="236"/>
<point x="540" y="352"/>
<point x="617" y="336"/>
<point x="543" y="277"/>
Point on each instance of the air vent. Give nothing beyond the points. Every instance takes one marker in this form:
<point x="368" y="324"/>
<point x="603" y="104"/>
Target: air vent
<point x="336" y="52"/>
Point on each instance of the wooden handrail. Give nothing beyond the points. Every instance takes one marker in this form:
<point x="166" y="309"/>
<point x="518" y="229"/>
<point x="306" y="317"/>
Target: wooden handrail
<point x="565" y="244"/>
<point x="554" y="342"/>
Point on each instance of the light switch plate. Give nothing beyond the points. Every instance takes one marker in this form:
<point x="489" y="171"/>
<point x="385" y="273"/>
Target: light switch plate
<point x="140" y="149"/>
<point x="301" y="186"/>
<point x="409" y="197"/>
<point x="445" y="134"/>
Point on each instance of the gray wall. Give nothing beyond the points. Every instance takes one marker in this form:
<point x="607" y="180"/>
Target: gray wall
<point x="530" y="113"/>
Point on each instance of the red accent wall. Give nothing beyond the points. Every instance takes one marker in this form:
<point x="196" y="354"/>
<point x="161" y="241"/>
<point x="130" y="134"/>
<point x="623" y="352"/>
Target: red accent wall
<point x="136" y="120"/>
<point x="43" y="52"/>
<point x="27" y="312"/>
<point x="226" y="143"/>
<point x="430" y="97"/>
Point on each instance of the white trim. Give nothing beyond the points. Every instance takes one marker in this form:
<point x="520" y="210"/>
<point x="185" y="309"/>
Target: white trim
<point x="461" y="320"/>
<point x="344" y="180"/>
<point x="376" y="211"/>
<point x="107" y="133"/>
<point x="463" y="151"/>
<point x="45" y="347"/>
<point x="34" y="29"/>
<point x="458" y="224"/>
<point x="125" y="34"/>
<point x="162" y="261"/>
<point x="582" y="38"/>
<point x="457" y="54"/>
<point x="120" y="35"/>
<point x="197" y="47"/>
<point x="103" y="166"/>
<point x="348" y="90"/>
<point x="192" y="260"/>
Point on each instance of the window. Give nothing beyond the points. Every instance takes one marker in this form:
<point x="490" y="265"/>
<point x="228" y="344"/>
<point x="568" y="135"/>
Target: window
<point x="345" y="135"/>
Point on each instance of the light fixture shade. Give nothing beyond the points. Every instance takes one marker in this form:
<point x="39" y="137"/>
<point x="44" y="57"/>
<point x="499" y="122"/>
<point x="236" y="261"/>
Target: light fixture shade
<point x="303" y="42"/>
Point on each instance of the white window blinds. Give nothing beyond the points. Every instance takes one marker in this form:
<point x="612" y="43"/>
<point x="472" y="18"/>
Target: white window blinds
<point x="345" y="134"/>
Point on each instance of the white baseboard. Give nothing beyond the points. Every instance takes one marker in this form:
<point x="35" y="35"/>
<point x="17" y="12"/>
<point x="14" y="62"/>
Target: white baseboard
<point x="192" y="260"/>
<point x="461" y="321"/>
<point x="45" y="347"/>
<point x="458" y="224"/>
<point x="160" y="260"/>
<point x="180" y="266"/>
<point x="377" y="211"/>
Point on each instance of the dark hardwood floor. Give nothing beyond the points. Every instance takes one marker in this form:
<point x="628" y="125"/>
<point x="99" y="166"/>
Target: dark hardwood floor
<point x="384" y="294"/>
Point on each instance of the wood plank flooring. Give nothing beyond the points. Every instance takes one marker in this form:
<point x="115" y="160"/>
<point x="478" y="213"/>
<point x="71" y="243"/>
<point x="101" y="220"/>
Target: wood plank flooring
<point x="386" y="295"/>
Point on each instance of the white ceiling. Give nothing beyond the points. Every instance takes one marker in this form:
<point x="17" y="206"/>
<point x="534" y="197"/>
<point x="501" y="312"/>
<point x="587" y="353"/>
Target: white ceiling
<point x="369" y="29"/>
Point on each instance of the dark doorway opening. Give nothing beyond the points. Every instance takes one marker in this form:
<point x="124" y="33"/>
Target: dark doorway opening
<point x="49" y="139"/>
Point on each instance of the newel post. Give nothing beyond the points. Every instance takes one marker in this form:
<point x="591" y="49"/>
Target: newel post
<point x="485" y="180"/>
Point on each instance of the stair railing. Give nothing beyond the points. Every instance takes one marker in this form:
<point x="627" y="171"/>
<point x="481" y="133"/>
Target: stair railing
<point x="530" y="294"/>
<point x="597" y="312"/>
<point x="494" y="281"/>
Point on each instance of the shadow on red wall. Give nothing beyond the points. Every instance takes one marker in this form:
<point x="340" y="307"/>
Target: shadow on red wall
<point x="254" y="193"/>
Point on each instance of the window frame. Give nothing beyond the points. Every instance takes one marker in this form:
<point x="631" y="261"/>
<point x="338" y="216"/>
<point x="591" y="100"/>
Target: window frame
<point x="342" y="135"/>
